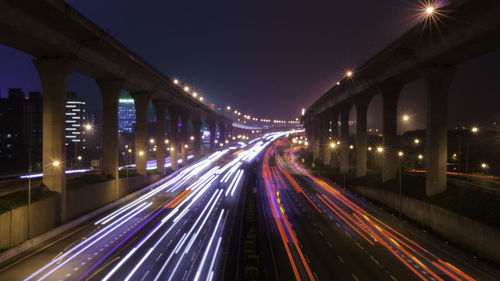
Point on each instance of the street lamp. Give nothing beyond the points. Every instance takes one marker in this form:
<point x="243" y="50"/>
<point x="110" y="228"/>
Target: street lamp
<point x="88" y="127"/>
<point x="332" y="145"/>
<point x="474" y="130"/>
<point x="429" y="10"/>
<point x="380" y="149"/>
<point x="56" y="163"/>
<point x="349" y="73"/>
<point x="416" y="141"/>
<point x="406" y="118"/>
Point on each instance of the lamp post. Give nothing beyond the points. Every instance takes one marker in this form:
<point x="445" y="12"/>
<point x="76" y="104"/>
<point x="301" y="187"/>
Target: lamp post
<point x="29" y="188"/>
<point x="400" y="154"/>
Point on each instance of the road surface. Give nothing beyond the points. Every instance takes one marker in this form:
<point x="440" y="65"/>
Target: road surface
<point x="315" y="230"/>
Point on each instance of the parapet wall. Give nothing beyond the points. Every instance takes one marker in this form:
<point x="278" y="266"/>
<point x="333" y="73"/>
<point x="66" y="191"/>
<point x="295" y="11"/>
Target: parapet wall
<point x="476" y="236"/>
<point x="14" y="223"/>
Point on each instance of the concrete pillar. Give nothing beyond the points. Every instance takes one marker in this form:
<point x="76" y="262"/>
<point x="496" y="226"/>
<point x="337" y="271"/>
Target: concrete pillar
<point x="390" y="95"/>
<point x="212" y="127"/>
<point x="323" y="137"/>
<point x="160" y="108"/>
<point x="197" y="137"/>
<point x="110" y="91"/>
<point x="184" y="138"/>
<point x="54" y="75"/>
<point x="173" y="137"/>
<point x="315" y="141"/>
<point x="327" y="158"/>
<point x="141" y="102"/>
<point x="335" y="161"/>
<point x="437" y="81"/>
<point x="309" y="136"/>
<point x="344" y="139"/>
<point x="222" y="136"/>
<point x="361" y="140"/>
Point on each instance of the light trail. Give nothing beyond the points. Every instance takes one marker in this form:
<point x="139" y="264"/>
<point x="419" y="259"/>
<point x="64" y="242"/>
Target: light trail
<point x="417" y="259"/>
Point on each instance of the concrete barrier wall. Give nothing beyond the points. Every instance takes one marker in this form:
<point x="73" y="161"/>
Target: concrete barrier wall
<point x="461" y="230"/>
<point x="87" y="198"/>
<point x="14" y="223"/>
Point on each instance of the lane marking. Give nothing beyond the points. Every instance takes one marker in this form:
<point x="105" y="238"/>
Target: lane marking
<point x="341" y="259"/>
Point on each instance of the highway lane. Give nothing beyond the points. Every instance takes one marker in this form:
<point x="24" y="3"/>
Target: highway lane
<point x="325" y="233"/>
<point x="180" y="230"/>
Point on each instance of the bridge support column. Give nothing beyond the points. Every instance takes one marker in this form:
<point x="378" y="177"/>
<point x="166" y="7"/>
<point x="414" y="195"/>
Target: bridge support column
<point x="212" y="127"/>
<point x="110" y="91"/>
<point x="327" y="159"/>
<point x="54" y="75"/>
<point x="184" y="137"/>
<point x="335" y="162"/>
<point x="361" y="141"/>
<point x="160" y="136"/>
<point x="344" y="139"/>
<point x="315" y="139"/>
<point x="173" y="138"/>
<point x="390" y="95"/>
<point x="141" y="102"/>
<point x="437" y="81"/>
<point x="197" y="137"/>
<point x="223" y="136"/>
<point x="323" y="138"/>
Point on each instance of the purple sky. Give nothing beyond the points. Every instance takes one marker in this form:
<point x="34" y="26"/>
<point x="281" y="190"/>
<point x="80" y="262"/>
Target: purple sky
<point x="266" y="58"/>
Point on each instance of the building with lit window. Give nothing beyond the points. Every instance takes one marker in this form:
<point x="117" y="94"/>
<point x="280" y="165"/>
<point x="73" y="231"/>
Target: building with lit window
<point x="75" y="119"/>
<point x="126" y="115"/>
<point x="20" y="131"/>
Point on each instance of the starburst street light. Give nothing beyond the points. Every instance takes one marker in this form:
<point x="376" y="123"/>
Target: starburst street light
<point x="333" y="145"/>
<point x="406" y="117"/>
<point x="349" y="73"/>
<point x="56" y="163"/>
<point x="88" y="126"/>
<point x="429" y="10"/>
<point x="380" y="149"/>
<point x="176" y="82"/>
<point x="474" y="129"/>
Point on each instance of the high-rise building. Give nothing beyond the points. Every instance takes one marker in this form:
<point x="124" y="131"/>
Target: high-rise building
<point x="20" y="131"/>
<point x="126" y="115"/>
<point x="75" y="119"/>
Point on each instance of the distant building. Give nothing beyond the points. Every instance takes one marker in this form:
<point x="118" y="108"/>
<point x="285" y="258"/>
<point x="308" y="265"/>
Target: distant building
<point x="75" y="119"/>
<point x="20" y="131"/>
<point x="126" y="115"/>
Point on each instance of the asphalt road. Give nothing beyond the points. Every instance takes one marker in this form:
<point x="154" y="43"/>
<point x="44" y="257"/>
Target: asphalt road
<point x="186" y="228"/>
<point x="315" y="230"/>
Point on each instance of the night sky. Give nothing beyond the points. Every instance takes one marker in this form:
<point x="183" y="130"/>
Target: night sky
<point x="267" y="58"/>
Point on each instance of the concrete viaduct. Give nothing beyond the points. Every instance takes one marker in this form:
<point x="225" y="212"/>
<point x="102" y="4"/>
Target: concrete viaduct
<point x="463" y="29"/>
<point x="63" y="41"/>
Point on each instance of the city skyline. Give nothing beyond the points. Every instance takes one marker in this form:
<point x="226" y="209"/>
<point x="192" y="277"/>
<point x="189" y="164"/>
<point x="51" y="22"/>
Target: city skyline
<point x="476" y="77"/>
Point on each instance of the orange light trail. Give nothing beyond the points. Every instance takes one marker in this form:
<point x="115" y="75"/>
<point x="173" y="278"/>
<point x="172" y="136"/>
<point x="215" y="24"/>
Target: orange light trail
<point x="362" y="222"/>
